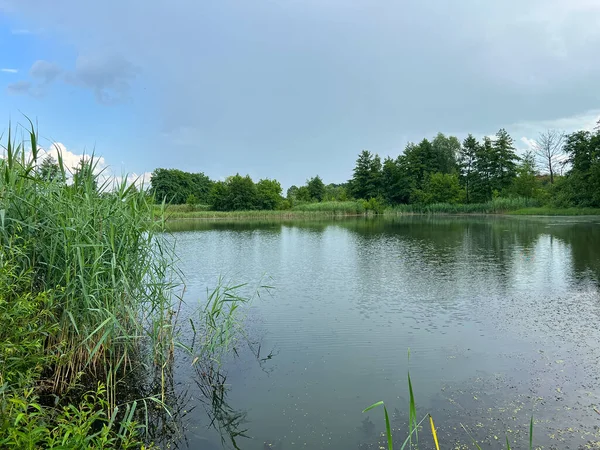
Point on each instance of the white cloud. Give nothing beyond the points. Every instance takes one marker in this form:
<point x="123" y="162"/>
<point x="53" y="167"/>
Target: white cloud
<point x="529" y="143"/>
<point x="21" y="31"/>
<point x="106" y="174"/>
<point x="45" y="71"/>
<point x="9" y="70"/>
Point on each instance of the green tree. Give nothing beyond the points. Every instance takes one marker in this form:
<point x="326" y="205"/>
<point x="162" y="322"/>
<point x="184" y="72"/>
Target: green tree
<point x="504" y="161"/>
<point x="175" y="186"/>
<point x="482" y="179"/>
<point x="219" y="196"/>
<point x="445" y="150"/>
<point x="316" y="188"/>
<point x="336" y="192"/>
<point x="525" y="184"/>
<point x="366" y="179"/>
<point x="467" y="157"/>
<point x="303" y="194"/>
<point x="242" y="195"/>
<point x="292" y="193"/>
<point x="268" y="194"/>
<point x="440" y="188"/>
<point x="581" y="186"/>
<point x="396" y="187"/>
<point x="49" y="169"/>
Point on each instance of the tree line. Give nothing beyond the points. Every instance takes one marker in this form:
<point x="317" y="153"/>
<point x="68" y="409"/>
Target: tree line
<point x="561" y="170"/>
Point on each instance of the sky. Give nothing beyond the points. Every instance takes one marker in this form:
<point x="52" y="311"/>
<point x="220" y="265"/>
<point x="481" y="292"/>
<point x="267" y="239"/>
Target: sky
<point x="290" y="89"/>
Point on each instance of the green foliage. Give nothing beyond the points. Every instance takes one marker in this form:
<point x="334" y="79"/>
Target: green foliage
<point x="525" y="184"/>
<point x="396" y="184"/>
<point x="26" y="320"/>
<point x="303" y="194"/>
<point x="268" y="194"/>
<point x="581" y="185"/>
<point x="84" y="284"/>
<point x="376" y="205"/>
<point x="175" y="186"/>
<point x="84" y="177"/>
<point x="236" y="193"/>
<point x="316" y="188"/>
<point x="335" y="208"/>
<point x="496" y="206"/>
<point x="191" y="200"/>
<point x="440" y="188"/>
<point x="25" y="424"/>
<point x="49" y="170"/>
<point x="336" y="193"/>
<point x="467" y="158"/>
<point x="366" y="181"/>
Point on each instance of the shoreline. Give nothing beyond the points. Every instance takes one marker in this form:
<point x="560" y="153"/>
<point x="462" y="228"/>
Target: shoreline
<point x="293" y="215"/>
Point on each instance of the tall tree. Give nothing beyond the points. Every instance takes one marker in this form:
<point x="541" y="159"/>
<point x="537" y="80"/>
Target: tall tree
<point x="291" y="193"/>
<point x="236" y="193"/>
<point x="548" y="149"/>
<point x="446" y="150"/>
<point x="268" y="194"/>
<point x="582" y="184"/>
<point x="484" y="168"/>
<point x="366" y="179"/>
<point x="396" y="186"/>
<point x="175" y="186"/>
<point x="504" y="161"/>
<point x="525" y="183"/>
<point x="316" y="188"/>
<point x="467" y="157"/>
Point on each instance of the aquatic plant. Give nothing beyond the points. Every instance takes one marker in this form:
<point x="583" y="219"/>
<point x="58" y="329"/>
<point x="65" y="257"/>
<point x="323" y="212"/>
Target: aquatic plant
<point x="88" y="304"/>
<point x="414" y="425"/>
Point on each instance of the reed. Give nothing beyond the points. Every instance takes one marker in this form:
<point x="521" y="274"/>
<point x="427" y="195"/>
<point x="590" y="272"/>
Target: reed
<point x="496" y="206"/>
<point x="414" y="425"/>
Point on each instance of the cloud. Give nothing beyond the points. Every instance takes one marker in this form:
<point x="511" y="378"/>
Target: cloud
<point x="109" y="77"/>
<point x="19" y="87"/>
<point x="271" y="86"/>
<point x="9" y="70"/>
<point x="21" y="31"/>
<point x="106" y="174"/>
<point x="45" y="71"/>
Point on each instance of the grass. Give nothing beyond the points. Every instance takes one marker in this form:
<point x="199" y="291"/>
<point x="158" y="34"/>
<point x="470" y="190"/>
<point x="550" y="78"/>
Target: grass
<point x="550" y="211"/>
<point x="496" y="206"/>
<point x="87" y="305"/>
<point x="517" y="206"/>
<point x="306" y="210"/>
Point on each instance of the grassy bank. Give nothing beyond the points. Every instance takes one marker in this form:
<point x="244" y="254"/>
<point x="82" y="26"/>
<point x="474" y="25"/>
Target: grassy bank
<point x="549" y="211"/>
<point x="518" y="206"/>
<point x="307" y="210"/>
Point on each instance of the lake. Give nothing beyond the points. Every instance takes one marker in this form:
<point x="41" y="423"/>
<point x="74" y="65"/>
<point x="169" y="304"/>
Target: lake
<point x="501" y="316"/>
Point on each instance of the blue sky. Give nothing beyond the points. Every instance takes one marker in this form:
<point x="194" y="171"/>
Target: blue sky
<point x="291" y="89"/>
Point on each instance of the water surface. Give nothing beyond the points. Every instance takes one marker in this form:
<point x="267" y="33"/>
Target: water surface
<point x="501" y="315"/>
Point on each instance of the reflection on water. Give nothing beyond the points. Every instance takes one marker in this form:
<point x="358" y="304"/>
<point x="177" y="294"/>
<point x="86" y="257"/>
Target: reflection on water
<point x="501" y="316"/>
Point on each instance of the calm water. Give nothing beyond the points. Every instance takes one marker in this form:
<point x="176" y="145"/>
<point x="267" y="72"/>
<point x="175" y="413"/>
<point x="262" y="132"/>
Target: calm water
<point x="501" y="315"/>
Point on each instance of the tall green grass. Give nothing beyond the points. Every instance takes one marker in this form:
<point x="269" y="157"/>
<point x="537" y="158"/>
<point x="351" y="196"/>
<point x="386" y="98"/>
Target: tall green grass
<point x="305" y="210"/>
<point x="334" y="208"/>
<point x="496" y="206"/>
<point x="550" y="211"/>
<point x="99" y="256"/>
<point x="86" y="278"/>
